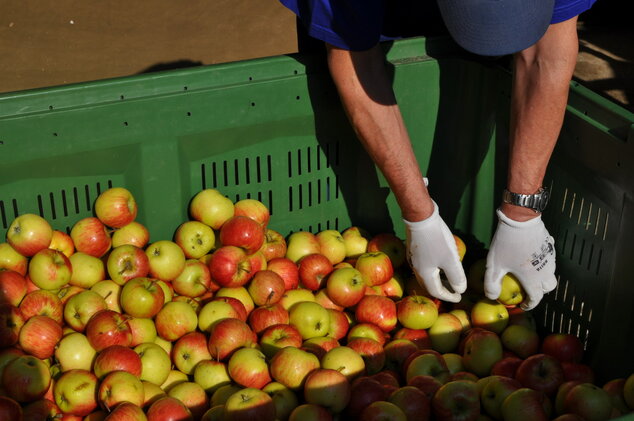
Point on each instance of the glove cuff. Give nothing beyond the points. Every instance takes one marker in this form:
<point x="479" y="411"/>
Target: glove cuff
<point x="518" y="224"/>
<point x="425" y="222"/>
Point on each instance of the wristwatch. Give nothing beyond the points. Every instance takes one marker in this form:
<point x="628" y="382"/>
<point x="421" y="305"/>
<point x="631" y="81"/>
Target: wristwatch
<point x="536" y="202"/>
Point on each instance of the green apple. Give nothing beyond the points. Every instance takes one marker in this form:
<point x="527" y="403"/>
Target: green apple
<point x="156" y="362"/>
<point x="285" y="399"/>
<point x="211" y="207"/>
<point x="482" y="349"/>
<point x="512" y="292"/>
<point x="87" y="270"/>
<point x="166" y="258"/>
<point x="346" y="360"/>
<point x="490" y="314"/>
<point x="628" y="391"/>
<point x="445" y="333"/>
<point x="356" y="241"/>
<point x="195" y="238"/>
<point x="454" y="362"/>
<point x="250" y="403"/>
<point x="521" y="340"/>
<point x="110" y="291"/>
<point x="310" y="319"/>
<point x="300" y="244"/>
<point x="331" y="245"/>
<point x="74" y="351"/>
<point x="211" y="375"/>
<point x="294" y="296"/>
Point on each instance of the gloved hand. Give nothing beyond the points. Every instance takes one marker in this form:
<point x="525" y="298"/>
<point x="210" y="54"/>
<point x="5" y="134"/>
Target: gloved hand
<point x="430" y="248"/>
<point x="526" y="250"/>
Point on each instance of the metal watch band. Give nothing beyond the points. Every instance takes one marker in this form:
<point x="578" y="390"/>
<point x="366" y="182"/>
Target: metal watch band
<point x="536" y="202"/>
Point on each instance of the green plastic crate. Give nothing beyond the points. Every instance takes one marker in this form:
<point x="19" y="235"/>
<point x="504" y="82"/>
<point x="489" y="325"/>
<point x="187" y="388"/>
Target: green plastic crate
<point x="273" y="129"/>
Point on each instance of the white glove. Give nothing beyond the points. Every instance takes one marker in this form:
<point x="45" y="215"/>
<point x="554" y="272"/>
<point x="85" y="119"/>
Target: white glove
<point x="430" y="248"/>
<point x="526" y="250"/>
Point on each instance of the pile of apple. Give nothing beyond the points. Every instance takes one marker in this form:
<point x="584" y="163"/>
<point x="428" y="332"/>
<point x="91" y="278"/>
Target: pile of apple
<point x="231" y="320"/>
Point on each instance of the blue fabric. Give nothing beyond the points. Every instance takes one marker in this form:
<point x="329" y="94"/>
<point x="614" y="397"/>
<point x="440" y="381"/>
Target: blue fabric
<point x="358" y="25"/>
<point x="566" y="9"/>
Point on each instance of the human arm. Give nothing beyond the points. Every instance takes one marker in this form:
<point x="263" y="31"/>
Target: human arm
<point x="366" y="93"/>
<point x="541" y="79"/>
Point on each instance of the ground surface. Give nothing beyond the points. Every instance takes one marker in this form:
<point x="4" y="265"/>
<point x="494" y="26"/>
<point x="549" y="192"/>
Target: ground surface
<point x="45" y="43"/>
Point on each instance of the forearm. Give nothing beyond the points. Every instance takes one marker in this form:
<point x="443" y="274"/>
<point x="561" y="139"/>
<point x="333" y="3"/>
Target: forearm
<point x="366" y="93"/>
<point x="541" y="81"/>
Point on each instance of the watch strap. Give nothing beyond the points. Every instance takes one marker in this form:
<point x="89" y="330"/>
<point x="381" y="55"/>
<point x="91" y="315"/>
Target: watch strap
<point x="536" y="202"/>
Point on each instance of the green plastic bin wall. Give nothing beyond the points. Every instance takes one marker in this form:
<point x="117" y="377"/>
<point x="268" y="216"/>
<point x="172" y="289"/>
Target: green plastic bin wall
<point x="273" y="129"/>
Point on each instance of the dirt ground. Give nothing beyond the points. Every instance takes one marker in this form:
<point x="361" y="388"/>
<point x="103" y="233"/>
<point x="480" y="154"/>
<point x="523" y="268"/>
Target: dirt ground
<point x="45" y="43"/>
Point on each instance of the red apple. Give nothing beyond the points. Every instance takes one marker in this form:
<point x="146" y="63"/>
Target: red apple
<point x="106" y="328"/>
<point x="525" y="404"/>
<point x="417" y="312"/>
<point x="277" y="337"/>
<point x="228" y="335"/>
<point x="456" y="400"/>
<point x="589" y="401"/>
<point x="42" y="303"/>
<point x="116" y="207"/>
<point x="396" y="352"/>
<point x="345" y="286"/>
<point x="189" y="350"/>
<point x="372" y="353"/>
<point x="291" y="366"/>
<point x="521" y="340"/>
<point x="244" y="232"/>
<point x="26" y="378"/>
<point x="167" y="408"/>
<point x="29" y="233"/>
<point x="253" y="209"/>
<point x="248" y="368"/>
<point x="175" y="319"/>
<point x="237" y="305"/>
<point x="117" y="357"/>
<point x="319" y="346"/>
<point x="126" y="411"/>
<point x="507" y="366"/>
<point x="193" y="396"/>
<point x="541" y="372"/>
<point x="339" y="324"/>
<point x="41" y="409"/>
<point x="391" y="245"/>
<point x="39" y="336"/>
<point x="274" y="245"/>
<point x="50" y="269"/>
<point x="230" y="267"/>
<point x="378" y="310"/>
<point x="492" y="395"/>
<point x="328" y="388"/>
<point x="578" y="371"/>
<point x="383" y="410"/>
<point x="10" y="409"/>
<point x="266" y="288"/>
<point x="427" y="384"/>
<point x="91" y="236"/>
<point x="12" y="287"/>
<point x="375" y="267"/>
<point x="313" y="271"/>
<point x="287" y="269"/>
<point x="11" y="322"/>
<point x="363" y="392"/>
<point x="563" y="346"/>
<point x="412" y="401"/>
<point x="420" y="337"/>
<point x="127" y="262"/>
<point x="265" y="316"/>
